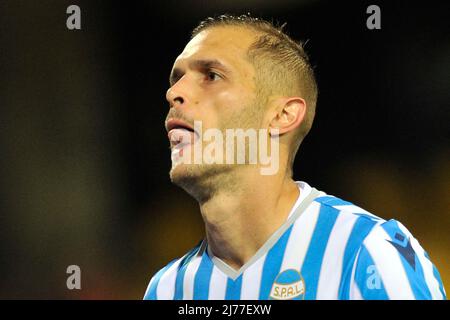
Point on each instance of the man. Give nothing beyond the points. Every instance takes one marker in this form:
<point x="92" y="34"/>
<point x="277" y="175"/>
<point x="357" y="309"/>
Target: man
<point x="267" y="236"/>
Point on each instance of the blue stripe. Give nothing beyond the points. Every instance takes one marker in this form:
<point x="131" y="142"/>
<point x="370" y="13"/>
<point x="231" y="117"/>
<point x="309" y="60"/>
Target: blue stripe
<point x="203" y="278"/>
<point x="365" y="215"/>
<point x="437" y="276"/>
<point x="272" y="264"/>
<point x="181" y="271"/>
<point x="151" y="293"/>
<point x="333" y="201"/>
<point x="368" y="279"/>
<point x="441" y="285"/>
<point x="416" y="277"/>
<point x="314" y="256"/>
<point x="359" y="232"/>
<point x="234" y="289"/>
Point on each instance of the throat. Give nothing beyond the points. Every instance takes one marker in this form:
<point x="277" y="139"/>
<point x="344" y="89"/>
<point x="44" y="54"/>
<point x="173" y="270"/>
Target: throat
<point x="236" y="229"/>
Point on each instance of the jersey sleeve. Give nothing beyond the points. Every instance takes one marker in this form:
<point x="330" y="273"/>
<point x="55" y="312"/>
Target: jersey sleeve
<point x="391" y="264"/>
<point x="151" y="292"/>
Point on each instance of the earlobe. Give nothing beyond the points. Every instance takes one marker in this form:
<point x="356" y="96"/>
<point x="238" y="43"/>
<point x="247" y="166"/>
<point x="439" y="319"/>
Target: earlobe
<point x="290" y="116"/>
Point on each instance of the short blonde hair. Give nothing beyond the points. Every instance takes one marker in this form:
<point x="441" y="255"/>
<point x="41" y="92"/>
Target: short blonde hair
<point x="282" y="65"/>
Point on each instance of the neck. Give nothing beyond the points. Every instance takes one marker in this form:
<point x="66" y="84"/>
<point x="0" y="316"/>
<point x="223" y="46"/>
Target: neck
<point x="243" y="213"/>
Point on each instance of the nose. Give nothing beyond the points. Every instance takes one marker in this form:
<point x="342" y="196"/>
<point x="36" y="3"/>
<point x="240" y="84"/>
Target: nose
<point x="176" y="94"/>
<point x="173" y="98"/>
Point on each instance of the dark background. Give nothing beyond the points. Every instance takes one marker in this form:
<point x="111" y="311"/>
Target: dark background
<point x="84" y="157"/>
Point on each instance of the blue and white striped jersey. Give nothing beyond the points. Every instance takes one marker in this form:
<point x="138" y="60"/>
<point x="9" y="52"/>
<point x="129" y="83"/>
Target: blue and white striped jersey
<point x="327" y="249"/>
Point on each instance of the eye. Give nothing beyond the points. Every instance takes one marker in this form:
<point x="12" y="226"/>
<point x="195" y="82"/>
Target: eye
<point x="212" y="76"/>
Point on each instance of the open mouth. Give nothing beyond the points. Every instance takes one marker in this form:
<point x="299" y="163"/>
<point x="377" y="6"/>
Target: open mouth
<point x="180" y="133"/>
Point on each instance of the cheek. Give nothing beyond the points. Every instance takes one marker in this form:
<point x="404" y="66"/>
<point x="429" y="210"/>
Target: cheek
<point x="232" y="101"/>
<point x="226" y="108"/>
<point x="236" y="99"/>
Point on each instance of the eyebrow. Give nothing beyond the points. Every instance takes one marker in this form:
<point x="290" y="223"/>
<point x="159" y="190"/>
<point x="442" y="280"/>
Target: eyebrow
<point x="198" y="64"/>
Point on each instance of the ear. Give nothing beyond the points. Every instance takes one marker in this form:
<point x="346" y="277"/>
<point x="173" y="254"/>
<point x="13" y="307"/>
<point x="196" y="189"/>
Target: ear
<point x="289" y="115"/>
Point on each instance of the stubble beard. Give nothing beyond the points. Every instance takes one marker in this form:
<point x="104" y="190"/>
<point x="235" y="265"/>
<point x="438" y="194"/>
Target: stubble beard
<point x="203" y="181"/>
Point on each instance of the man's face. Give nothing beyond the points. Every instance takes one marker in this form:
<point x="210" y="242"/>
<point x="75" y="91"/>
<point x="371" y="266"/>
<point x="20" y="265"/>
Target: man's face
<point x="212" y="81"/>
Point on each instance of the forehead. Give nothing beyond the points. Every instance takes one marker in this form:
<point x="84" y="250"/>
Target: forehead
<point x="228" y="44"/>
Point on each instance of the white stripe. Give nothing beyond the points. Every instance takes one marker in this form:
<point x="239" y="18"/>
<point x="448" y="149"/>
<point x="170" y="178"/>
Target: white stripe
<point x="251" y="280"/>
<point x="389" y="265"/>
<point x="166" y="285"/>
<point x="189" y="276"/>
<point x="333" y="258"/>
<point x="299" y="239"/>
<point x="357" y="294"/>
<point x="218" y="285"/>
<point x="148" y="287"/>
<point x="427" y="265"/>
<point x="355" y="209"/>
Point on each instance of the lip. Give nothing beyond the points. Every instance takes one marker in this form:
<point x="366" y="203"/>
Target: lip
<point x="174" y="123"/>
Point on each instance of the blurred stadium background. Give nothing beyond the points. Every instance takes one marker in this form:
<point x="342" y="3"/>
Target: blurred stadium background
<point x="84" y="155"/>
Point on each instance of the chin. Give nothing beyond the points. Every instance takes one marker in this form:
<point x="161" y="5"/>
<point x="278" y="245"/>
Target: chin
<point x="180" y="172"/>
<point x="186" y="176"/>
<point x="198" y="180"/>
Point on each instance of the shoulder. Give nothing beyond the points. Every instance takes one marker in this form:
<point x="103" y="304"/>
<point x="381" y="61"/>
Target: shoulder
<point x="159" y="284"/>
<point x="348" y="223"/>
<point x="391" y="264"/>
<point x="382" y="259"/>
<point x="345" y="207"/>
